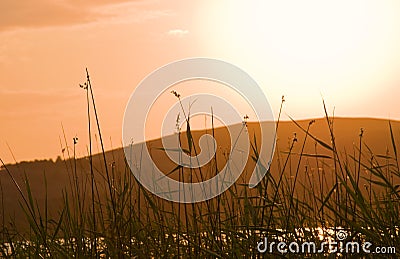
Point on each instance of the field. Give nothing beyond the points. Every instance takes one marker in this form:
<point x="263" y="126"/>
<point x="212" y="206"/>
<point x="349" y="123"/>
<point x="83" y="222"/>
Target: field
<point x="327" y="175"/>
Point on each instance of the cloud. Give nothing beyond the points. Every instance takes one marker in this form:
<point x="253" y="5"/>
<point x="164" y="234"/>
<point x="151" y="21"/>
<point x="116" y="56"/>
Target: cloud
<point x="178" y="32"/>
<point x="50" y="13"/>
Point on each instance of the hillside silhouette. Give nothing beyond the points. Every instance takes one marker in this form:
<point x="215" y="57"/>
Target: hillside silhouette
<point x="52" y="180"/>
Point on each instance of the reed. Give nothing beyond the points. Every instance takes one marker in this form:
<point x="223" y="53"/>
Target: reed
<point x="328" y="192"/>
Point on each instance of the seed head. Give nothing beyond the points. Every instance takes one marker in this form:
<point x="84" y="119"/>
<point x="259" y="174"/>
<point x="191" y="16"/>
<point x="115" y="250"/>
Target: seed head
<point x="245" y="118"/>
<point x="84" y="86"/>
<point x="177" y="95"/>
<point x="361" y="132"/>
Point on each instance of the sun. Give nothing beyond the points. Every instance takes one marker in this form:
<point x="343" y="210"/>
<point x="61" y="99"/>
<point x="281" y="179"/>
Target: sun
<point x="340" y="49"/>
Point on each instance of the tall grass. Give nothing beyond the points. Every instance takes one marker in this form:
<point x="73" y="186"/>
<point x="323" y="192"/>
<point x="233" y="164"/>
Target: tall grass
<point x="324" y="191"/>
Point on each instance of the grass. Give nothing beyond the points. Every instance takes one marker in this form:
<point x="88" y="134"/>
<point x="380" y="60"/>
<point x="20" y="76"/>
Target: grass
<point x="114" y="217"/>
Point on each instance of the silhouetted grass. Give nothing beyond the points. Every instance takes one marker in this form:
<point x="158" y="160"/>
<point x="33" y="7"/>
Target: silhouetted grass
<point x="117" y="218"/>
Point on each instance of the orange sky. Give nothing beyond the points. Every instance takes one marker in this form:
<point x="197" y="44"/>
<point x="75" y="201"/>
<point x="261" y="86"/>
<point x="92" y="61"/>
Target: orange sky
<point x="348" y="51"/>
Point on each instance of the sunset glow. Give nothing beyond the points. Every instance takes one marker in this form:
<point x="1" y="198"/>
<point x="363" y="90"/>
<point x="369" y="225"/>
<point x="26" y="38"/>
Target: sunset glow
<point x="346" y="52"/>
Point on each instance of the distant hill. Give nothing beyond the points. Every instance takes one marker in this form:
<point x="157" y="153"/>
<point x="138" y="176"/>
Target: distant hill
<point x="53" y="178"/>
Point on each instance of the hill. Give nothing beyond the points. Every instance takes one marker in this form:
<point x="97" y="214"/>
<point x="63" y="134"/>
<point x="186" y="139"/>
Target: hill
<point x="50" y="182"/>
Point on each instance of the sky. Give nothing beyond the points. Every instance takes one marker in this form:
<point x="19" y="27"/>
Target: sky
<point x="346" y="52"/>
